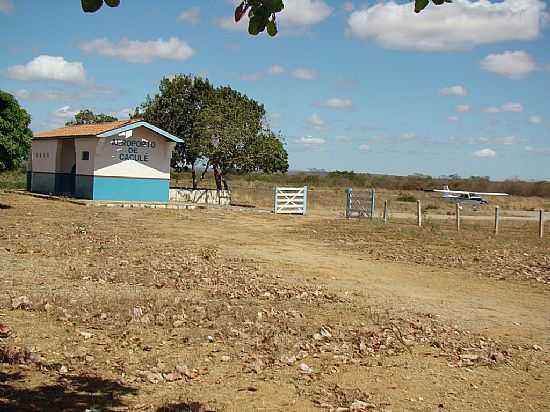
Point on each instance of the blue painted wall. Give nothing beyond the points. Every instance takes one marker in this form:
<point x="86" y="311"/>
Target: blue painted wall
<point x="43" y="183"/>
<point x="84" y="187"/>
<point x="126" y="189"/>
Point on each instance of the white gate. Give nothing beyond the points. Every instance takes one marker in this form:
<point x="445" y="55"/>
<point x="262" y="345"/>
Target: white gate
<point x="291" y="200"/>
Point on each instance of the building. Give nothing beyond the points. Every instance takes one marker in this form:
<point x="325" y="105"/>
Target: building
<point x="116" y="161"/>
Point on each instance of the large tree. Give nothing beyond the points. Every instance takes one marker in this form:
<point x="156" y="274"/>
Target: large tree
<point x="175" y="108"/>
<point x="221" y="128"/>
<point x="262" y="14"/>
<point x="87" y="116"/>
<point x="15" y="135"/>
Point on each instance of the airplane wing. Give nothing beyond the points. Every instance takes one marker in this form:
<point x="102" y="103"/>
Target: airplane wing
<point x="453" y="192"/>
<point x="489" y="194"/>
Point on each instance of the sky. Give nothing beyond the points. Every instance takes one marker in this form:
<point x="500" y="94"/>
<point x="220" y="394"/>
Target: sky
<point x="462" y="88"/>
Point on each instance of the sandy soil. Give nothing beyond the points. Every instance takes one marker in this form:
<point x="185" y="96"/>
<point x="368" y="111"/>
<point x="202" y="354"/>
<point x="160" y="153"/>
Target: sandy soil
<point x="88" y="266"/>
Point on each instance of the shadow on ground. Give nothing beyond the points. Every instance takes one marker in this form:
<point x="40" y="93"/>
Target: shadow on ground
<point x="68" y="394"/>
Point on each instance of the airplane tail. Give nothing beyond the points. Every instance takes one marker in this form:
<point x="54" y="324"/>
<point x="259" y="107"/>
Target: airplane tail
<point x="446" y="188"/>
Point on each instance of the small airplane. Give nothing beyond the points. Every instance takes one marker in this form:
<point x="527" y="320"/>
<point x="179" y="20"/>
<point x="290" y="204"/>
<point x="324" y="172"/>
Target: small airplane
<point x="463" y="197"/>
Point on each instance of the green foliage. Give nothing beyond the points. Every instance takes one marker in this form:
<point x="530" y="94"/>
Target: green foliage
<point x="343" y="173"/>
<point x="15" y="135"/>
<point x="91" y="6"/>
<point x="88" y="117"/>
<point x="176" y="108"/>
<point x="219" y="127"/>
<point x="262" y="14"/>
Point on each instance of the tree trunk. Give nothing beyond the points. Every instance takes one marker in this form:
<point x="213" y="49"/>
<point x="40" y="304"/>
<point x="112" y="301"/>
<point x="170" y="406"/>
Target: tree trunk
<point x="217" y="176"/>
<point x="194" y="175"/>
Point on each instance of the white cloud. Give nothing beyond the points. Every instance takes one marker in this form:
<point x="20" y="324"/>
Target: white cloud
<point x="462" y="108"/>
<point x="536" y="119"/>
<point x="512" y="107"/>
<point x="316" y="121"/>
<point x="513" y="64"/>
<point x="65" y="112"/>
<point x="364" y="147"/>
<point x="89" y="91"/>
<point x="295" y="17"/>
<point x="485" y="153"/>
<point x="452" y="118"/>
<point x="490" y="109"/>
<point x="122" y="114"/>
<point x="49" y="68"/>
<point x="506" y="107"/>
<point x="6" y="6"/>
<point x="275" y="69"/>
<point x="252" y="77"/>
<point x="407" y="136"/>
<point x="453" y="91"/>
<point x="337" y="103"/>
<point x="191" y="15"/>
<point x="311" y="141"/>
<point x="302" y="73"/>
<point x="506" y="140"/>
<point x="463" y="24"/>
<point x="303" y="13"/>
<point x="136" y="51"/>
<point x="538" y="150"/>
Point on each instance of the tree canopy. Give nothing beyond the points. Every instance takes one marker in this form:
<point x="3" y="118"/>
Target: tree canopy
<point x="87" y="116"/>
<point x="15" y="135"/>
<point x="220" y="128"/>
<point x="262" y="14"/>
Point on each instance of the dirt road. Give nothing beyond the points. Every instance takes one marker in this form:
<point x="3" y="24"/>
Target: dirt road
<point x="518" y="312"/>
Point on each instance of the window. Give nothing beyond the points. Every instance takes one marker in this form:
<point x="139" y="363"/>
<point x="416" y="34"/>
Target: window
<point x="85" y="155"/>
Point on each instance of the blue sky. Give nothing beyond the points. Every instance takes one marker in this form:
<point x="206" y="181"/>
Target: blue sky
<point x="462" y="88"/>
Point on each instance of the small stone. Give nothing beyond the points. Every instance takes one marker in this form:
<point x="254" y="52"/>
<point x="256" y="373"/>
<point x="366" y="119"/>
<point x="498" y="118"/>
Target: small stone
<point x="210" y="338"/>
<point x="537" y="347"/>
<point x="305" y="368"/>
<point x="63" y="369"/>
<point x="225" y="358"/>
<point x="357" y="405"/>
<point x="22" y="302"/>
<point x="86" y="335"/>
<point x="173" y="376"/>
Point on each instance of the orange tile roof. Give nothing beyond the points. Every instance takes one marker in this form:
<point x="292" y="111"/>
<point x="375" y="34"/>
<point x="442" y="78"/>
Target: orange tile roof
<point x="84" y="129"/>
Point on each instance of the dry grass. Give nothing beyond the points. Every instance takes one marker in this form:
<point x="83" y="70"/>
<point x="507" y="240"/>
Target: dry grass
<point x="125" y="315"/>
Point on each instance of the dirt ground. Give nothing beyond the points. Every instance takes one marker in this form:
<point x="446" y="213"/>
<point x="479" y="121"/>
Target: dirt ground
<point x="111" y="309"/>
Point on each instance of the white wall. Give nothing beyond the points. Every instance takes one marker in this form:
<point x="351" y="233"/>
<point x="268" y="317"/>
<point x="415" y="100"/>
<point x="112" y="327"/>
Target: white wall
<point x="44" y="155"/>
<point x="88" y="144"/>
<point x="139" y="153"/>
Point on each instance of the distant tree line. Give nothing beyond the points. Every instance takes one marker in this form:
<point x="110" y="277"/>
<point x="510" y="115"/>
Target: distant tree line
<point x="343" y="179"/>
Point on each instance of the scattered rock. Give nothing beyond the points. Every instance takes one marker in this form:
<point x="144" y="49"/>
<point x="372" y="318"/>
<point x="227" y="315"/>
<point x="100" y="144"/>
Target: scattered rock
<point x="5" y="330"/>
<point x="22" y="302"/>
<point x="361" y="406"/>
<point x="305" y="368"/>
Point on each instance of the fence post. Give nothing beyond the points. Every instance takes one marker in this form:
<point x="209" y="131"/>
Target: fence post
<point x="275" y="205"/>
<point x="458" y="216"/>
<point x="418" y="213"/>
<point x="305" y="200"/>
<point x="372" y="203"/>
<point x="541" y="223"/>
<point x="497" y="218"/>
<point x="385" y="211"/>
<point x="348" y="202"/>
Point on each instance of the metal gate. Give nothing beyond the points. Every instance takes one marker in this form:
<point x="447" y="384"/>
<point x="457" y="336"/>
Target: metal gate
<point x="360" y="204"/>
<point x="291" y="200"/>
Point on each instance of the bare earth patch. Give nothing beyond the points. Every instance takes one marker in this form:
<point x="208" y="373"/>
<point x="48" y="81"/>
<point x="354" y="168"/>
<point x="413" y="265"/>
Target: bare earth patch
<point x="109" y="310"/>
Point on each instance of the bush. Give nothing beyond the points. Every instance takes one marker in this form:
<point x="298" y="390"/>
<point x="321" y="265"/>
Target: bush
<point x="406" y="197"/>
